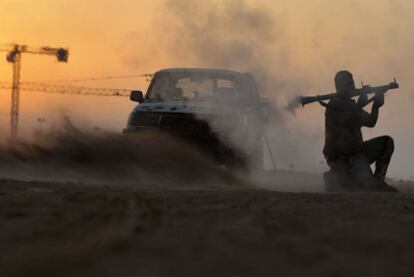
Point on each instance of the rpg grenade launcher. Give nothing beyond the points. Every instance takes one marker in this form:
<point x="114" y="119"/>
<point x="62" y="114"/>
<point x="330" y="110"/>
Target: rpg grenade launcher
<point x="365" y="89"/>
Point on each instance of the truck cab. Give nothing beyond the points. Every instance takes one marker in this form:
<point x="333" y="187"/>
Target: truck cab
<point x="218" y="111"/>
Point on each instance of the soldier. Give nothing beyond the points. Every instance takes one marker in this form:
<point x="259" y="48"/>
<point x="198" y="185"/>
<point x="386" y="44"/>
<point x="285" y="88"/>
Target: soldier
<point x="346" y="153"/>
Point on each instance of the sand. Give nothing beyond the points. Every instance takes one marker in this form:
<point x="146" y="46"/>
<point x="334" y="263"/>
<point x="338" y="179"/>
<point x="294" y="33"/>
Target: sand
<point x="67" y="229"/>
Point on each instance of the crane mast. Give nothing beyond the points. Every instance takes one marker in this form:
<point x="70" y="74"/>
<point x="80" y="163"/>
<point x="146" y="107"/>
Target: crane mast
<point x="14" y="56"/>
<point x="15" y="95"/>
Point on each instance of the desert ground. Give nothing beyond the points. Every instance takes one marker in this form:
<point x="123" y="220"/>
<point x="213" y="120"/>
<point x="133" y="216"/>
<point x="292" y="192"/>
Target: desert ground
<point x="74" y="229"/>
<point x="77" y="204"/>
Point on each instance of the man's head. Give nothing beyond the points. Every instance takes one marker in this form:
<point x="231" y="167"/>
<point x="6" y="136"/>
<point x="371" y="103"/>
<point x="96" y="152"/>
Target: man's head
<point x="344" y="82"/>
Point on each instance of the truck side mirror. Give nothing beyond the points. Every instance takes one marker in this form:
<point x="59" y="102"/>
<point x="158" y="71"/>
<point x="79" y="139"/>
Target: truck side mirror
<point x="136" y="96"/>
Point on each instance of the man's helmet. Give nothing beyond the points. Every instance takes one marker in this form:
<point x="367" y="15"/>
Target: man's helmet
<point x="344" y="82"/>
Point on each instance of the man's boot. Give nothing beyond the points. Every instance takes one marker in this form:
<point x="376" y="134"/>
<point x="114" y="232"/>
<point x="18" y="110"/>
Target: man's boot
<point x="384" y="187"/>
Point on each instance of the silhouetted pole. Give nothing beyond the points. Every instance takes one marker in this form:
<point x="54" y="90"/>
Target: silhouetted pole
<point x="15" y="58"/>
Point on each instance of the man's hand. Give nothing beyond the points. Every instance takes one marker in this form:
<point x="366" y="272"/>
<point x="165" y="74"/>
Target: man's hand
<point x="378" y="100"/>
<point x="363" y="100"/>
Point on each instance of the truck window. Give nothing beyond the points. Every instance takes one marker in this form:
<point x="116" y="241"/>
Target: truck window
<point x="190" y="86"/>
<point x="226" y="83"/>
<point x="196" y="88"/>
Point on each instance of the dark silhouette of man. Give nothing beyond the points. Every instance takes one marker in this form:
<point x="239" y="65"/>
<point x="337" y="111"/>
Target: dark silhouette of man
<point x="346" y="153"/>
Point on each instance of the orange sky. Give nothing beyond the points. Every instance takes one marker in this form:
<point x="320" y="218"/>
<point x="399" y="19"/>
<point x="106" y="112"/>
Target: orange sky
<point x="94" y="31"/>
<point x="372" y="38"/>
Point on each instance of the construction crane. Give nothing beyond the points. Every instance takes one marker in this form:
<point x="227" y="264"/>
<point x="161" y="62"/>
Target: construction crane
<point x="68" y="89"/>
<point x="148" y="77"/>
<point x="14" y="56"/>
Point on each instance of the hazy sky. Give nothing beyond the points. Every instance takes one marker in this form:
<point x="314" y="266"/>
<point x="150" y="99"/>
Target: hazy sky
<point x="301" y="43"/>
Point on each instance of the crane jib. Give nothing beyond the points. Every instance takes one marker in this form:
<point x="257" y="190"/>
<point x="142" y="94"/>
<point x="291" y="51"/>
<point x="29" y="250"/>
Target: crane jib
<point x="68" y="89"/>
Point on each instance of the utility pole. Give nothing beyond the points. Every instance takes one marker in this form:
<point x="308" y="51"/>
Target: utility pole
<point x="14" y="56"/>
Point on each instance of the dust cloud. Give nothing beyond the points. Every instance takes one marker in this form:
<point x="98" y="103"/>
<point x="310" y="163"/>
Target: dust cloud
<point x="238" y="35"/>
<point x="295" y="48"/>
<point x="226" y="34"/>
<point x="66" y="153"/>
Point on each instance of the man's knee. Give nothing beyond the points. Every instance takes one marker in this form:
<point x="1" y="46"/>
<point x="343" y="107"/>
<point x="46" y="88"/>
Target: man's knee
<point x="389" y="145"/>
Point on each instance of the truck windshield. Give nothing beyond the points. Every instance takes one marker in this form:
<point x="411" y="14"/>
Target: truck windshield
<point x="190" y="86"/>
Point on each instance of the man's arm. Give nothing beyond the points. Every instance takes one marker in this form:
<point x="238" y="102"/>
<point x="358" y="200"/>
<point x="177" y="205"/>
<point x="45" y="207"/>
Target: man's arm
<point x="370" y="119"/>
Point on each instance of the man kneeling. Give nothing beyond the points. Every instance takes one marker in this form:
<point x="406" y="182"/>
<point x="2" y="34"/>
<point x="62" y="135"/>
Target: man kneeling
<point x="348" y="156"/>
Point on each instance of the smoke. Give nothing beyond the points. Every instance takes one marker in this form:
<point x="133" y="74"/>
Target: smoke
<point x="224" y="34"/>
<point x="69" y="154"/>
<point x="294" y="48"/>
<point x="232" y="34"/>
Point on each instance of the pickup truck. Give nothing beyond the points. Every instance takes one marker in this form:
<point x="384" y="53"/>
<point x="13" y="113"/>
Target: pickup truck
<point x="218" y="111"/>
